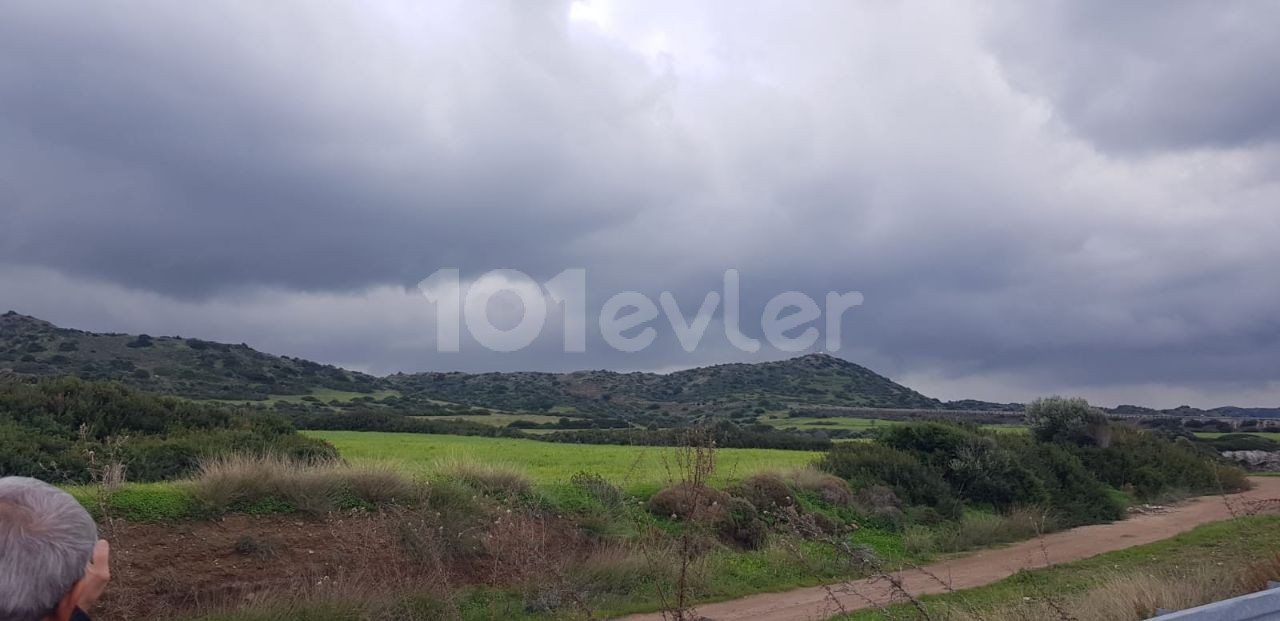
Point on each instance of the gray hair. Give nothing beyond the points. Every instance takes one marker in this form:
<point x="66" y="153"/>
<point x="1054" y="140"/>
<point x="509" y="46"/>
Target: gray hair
<point x="46" y="539"/>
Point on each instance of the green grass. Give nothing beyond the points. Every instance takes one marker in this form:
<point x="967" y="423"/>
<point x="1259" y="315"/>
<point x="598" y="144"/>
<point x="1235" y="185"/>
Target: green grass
<point x="1234" y="542"/>
<point x="1270" y="435"/>
<point x="855" y="424"/>
<point x="808" y="422"/>
<point x="635" y="468"/>
<point x="496" y="420"/>
<point x="138" y="502"/>
<point x="324" y="395"/>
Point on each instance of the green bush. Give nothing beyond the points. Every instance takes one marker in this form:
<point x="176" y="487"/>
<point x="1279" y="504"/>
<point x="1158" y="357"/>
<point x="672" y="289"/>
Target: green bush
<point x="1076" y="496"/>
<point x="1152" y="465"/>
<point x="864" y="464"/>
<point x="1073" y="421"/>
<point x="49" y="428"/>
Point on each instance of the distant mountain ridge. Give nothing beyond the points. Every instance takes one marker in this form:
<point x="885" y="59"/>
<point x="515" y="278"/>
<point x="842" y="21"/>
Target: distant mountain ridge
<point x="200" y="369"/>
<point x="812" y="379"/>
<point x="191" y="368"/>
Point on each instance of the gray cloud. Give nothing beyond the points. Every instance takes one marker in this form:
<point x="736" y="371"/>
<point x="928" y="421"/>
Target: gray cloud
<point x="1066" y="197"/>
<point x="1150" y="75"/>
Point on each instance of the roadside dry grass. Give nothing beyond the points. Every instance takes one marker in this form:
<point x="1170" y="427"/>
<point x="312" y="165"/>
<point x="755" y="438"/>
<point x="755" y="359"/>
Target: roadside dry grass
<point x="260" y="483"/>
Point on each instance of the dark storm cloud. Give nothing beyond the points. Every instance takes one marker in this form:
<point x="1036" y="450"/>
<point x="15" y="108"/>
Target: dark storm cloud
<point x="188" y="148"/>
<point x="1151" y="74"/>
<point x="277" y="174"/>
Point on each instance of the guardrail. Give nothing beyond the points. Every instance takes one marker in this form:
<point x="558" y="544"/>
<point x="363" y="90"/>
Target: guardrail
<point x="1260" y="606"/>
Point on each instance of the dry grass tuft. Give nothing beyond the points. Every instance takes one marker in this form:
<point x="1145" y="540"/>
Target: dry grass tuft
<point x="273" y="482"/>
<point x="486" y="478"/>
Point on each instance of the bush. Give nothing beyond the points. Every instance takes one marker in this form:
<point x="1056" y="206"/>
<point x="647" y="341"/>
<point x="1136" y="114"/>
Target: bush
<point x="1073" y="421"/>
<point x="881" y="504"/>
<point x="606" y="493"/>
<point x="765" y="491"/>
<point x="742" y="524"/>
<point x="1152" y="464"/>
<point x="690" y="502"/>
<point x="864" y="464"/>
<point x="47" y="429"/>
<point x="1075" y="495"/>
<point x="831" y="489"/>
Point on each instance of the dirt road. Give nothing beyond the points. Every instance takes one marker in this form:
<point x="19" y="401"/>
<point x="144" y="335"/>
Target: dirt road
<point x="990" y="566"/>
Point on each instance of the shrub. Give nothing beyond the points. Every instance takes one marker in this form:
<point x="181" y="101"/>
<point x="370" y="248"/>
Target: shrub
<point x="742" y="524"/>
<point x="934" y="442"/>
<point x="765" y="491"/>
<point x="599" y="488"/>
<point x="1075" y="495"/>
<point x="1074" y="421"/>
<point x="47" y="429"/>
<point x="879" y="503"/>
<point x="830" y="488"/>
<point x="864" y="464"/>
<point x="1152" y="464"/>
<point x="690" y="502"/>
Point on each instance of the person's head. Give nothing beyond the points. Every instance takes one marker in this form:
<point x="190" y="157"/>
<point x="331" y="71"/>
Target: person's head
<point x="46" y="539"/>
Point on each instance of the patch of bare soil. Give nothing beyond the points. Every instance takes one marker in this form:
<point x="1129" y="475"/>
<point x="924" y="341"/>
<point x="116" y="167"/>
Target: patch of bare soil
<point x="990" y="566"/>
<point x="163" y="570"/>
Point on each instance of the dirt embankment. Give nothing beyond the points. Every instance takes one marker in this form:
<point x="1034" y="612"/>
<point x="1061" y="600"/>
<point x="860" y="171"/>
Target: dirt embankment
<point x="163" y="570"/>
<point x="990" y="566"/>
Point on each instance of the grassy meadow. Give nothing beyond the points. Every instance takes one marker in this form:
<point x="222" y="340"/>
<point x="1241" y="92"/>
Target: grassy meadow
<point x="634" y="468"/>
<point x="1270" y="435"/>
<point x="497" y="420"/>
<point x="854" y="423"/>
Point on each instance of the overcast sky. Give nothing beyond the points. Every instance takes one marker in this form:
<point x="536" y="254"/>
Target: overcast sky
<point x="1076" y="197"/>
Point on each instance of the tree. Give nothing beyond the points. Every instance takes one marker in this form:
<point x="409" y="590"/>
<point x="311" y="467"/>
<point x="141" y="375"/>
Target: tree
<point x="1068" y="420"/>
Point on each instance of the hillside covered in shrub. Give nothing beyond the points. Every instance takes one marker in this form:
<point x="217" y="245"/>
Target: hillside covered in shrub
<point x="66" y="430"/>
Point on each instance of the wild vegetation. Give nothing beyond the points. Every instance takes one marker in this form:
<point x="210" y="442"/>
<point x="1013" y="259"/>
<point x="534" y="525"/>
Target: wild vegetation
<point x="171" y="365"/>
<point x="62" y="429"/>
<point x="1210" y="563"/>
<point x="531" y="495"/>
<point x="200" y="369"/>
<point x="472" y="527"/>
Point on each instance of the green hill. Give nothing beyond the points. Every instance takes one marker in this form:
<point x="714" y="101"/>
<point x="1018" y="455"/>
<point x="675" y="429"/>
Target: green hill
<point x="168" y="365"/>
<point x="200" y="369"/>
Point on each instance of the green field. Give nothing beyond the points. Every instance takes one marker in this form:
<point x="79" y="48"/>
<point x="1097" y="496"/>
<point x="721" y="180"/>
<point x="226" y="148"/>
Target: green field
<point x="854" y="424"/>
<point x="1270" y="435"/>
<point x="325" y="395"/>
<point x="636" y="468"/>
<point x="496" y="420"/>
